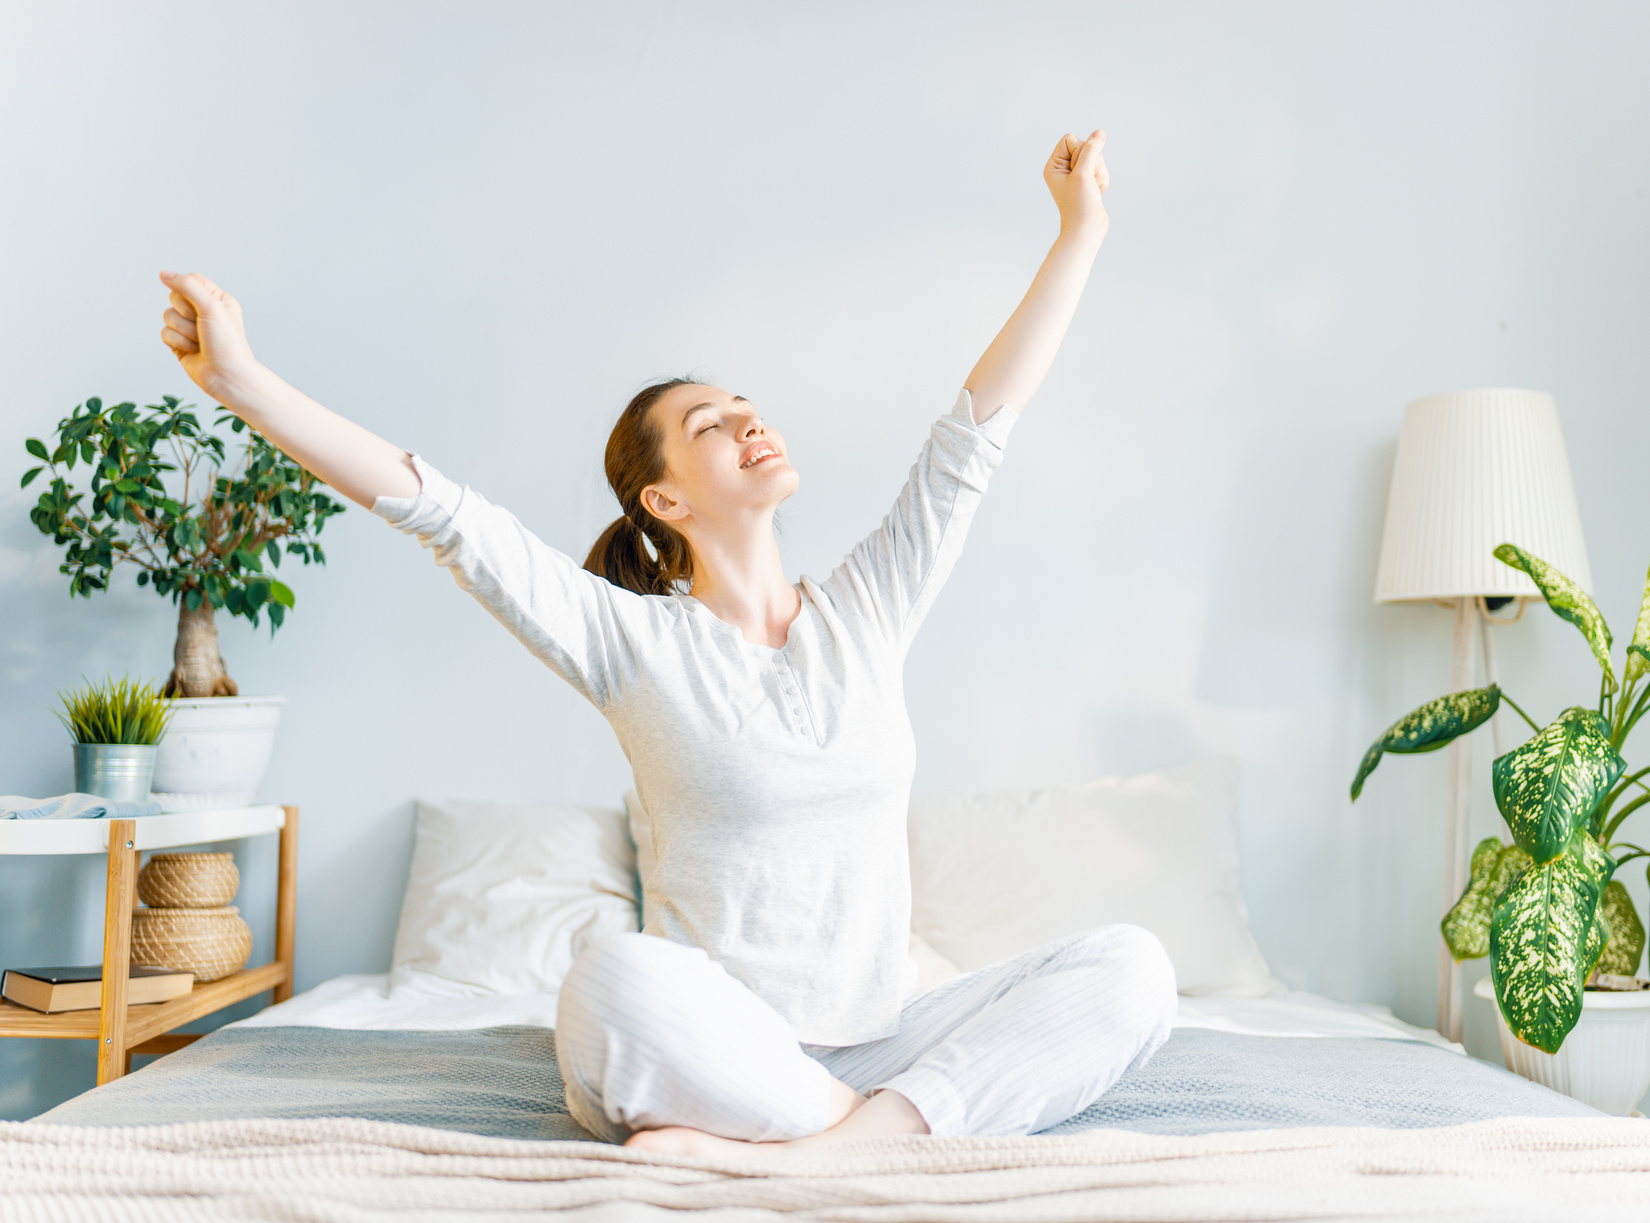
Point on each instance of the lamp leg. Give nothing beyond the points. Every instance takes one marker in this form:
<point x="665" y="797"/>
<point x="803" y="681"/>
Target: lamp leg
<point x="1492" y="675"/>
<point x="1456" y="858"/>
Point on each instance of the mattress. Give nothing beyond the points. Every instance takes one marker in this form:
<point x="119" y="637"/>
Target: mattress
<point x="366" y="1001"/>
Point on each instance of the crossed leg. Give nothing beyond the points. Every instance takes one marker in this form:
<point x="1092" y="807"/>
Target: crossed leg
<point x="661" y="1047"/>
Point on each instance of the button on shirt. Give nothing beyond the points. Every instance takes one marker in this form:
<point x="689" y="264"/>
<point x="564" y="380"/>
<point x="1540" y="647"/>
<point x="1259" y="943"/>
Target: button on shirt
<point x="776" y="780"/>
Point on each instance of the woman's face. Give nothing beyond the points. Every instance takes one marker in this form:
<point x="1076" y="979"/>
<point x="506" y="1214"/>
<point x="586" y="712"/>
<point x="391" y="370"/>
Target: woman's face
<point x="722" y="464"/>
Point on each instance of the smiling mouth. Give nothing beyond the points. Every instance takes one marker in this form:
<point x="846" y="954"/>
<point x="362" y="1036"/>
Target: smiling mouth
<point x="765" y="453"/>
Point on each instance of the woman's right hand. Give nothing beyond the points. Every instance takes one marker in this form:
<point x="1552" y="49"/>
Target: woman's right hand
<point x="205" y="332"/>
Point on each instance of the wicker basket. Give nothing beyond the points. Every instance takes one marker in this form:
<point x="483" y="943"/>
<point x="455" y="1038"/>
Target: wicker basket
<point x="188" y="881"/>
<point x="211" y="943"/>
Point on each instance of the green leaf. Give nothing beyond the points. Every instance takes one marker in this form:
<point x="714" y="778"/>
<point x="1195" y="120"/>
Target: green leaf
<point x="1547" y="788"/>
<point x="1538" y="947"/>
<point x="1625" y="947"/>
<point x="1638" y="651"/>
<point x="1568" y="601"/>
<point x="1638" y="657"/>
<point x="29" y="475"/>
<point x="1495" y="867"/>
<point x="1428" y="728"/>
<point x="248" y="560"/>
<point x="38" y="449"/>
<point x="1592" y="947"/>
<point x="280" y="593"/>
<point x="1466" y="926"/>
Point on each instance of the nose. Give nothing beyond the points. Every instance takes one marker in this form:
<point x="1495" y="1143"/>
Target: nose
<point x="753" y="426"/>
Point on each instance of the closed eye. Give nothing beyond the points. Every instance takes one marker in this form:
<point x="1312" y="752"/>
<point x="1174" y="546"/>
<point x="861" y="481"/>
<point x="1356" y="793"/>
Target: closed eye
<point x="705" y="430"/>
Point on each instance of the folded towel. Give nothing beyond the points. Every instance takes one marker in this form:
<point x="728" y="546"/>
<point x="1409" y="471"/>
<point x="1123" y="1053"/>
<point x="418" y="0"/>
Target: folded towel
<point x="71" y="807"/>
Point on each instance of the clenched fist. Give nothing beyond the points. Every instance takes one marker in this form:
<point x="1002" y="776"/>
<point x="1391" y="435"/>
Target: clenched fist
<point x="205" y="332"/>
<point x="1076" y="177"/>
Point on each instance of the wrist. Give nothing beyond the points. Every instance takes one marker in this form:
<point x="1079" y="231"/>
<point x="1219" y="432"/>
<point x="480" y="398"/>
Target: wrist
<point x="244" y="392"/>
<point x="1082" y="237"/>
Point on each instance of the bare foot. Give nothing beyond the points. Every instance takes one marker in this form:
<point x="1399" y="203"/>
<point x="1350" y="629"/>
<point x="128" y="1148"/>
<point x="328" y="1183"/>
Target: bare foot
<point x="887" y="1112"/>
<point x="680" y="1140"/>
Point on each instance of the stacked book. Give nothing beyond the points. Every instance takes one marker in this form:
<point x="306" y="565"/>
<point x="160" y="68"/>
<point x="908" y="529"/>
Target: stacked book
<point x="81" y="988"/>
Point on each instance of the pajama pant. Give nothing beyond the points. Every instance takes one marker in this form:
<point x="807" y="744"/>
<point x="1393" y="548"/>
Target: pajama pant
<point x="652" y="1033"/>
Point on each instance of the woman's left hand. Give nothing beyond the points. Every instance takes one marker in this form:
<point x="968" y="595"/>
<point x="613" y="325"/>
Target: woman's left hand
<point x="1076" y="177"/>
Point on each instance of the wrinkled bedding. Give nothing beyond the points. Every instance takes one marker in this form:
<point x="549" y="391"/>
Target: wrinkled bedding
<point x="1544" y="1170"/>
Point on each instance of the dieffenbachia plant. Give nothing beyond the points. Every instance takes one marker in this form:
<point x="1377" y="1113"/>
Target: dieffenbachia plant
<point x="1545" y="908"/>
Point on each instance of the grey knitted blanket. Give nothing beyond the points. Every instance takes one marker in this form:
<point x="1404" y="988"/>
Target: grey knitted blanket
<point x="504" y="1082"/>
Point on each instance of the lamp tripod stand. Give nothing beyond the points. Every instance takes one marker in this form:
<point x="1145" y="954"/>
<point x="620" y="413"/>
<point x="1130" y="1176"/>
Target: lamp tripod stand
<point x="1473" y="634"/>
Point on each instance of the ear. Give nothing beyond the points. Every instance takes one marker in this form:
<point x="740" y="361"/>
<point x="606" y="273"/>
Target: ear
<point x="662" y="505"/>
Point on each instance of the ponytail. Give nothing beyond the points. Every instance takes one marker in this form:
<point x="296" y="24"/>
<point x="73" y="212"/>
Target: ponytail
<point x="635" y="458"/>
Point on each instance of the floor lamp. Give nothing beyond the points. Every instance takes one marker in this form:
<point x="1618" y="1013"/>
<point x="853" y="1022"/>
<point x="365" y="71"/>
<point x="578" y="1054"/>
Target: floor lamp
<point x="1475" y="469"/>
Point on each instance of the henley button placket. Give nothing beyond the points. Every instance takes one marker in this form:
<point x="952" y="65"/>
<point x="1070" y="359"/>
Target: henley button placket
<point x="788" y="684"/>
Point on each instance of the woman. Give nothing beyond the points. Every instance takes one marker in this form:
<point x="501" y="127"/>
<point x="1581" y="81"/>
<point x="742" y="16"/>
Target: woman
<point x="770" y="998"/>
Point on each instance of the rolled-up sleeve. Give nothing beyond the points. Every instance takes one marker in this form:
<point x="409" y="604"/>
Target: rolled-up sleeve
<point x="571" y="620"/>
<point x="894" y="574"/>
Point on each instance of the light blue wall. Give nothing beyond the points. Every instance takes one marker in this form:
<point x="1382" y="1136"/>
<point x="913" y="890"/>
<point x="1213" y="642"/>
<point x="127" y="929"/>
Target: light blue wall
<point x="477" y="228"/>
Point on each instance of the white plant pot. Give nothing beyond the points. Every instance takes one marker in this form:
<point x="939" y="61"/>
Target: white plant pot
<point x="215" y="752"/>
<point x="1604" y="1061"/>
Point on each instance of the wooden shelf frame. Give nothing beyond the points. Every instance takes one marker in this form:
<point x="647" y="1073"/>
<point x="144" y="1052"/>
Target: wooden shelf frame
<point x="121" y="1029"/>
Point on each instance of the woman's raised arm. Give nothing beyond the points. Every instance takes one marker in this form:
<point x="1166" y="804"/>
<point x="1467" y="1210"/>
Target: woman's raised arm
<point x="204" y="330"/>
<point x="1014" y="366"/>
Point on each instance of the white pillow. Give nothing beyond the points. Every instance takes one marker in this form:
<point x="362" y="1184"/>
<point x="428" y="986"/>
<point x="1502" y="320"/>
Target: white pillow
<point x="932" y="967"/>
<point x="1000" y="873"/>
<point x="503" y="896"/>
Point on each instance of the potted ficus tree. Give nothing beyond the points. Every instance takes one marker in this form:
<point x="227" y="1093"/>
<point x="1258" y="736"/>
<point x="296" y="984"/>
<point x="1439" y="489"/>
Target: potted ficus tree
<point x="1562" y="935"/>
<point x="205" y="533"/>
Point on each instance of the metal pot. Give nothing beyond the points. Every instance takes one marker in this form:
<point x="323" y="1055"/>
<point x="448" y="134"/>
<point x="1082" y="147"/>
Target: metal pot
<point x="121" y="771"/>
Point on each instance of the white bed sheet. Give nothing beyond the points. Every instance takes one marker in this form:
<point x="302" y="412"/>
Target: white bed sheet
<point x="364" y="1001"/>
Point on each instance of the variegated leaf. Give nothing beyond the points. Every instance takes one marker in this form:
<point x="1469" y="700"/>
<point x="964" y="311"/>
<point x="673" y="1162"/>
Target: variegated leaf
<point x="1538" y="948"/>
<point x="1568" y="601"/>
<point x="1495" y="867"/>
<point x="1430" y="727"/>
<point x="1626" y="943"/>
<point x="1599" y="866"/>
<point x="1638" y="661"/>
<point x="1598" y="938"/>
<point x="1547" y="787"/>
<point x="1466" y="927"/>
<point x="1638" y="652"/>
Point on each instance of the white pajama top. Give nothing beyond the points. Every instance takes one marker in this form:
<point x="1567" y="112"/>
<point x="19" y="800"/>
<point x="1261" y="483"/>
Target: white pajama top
<point x="777" y="780"/>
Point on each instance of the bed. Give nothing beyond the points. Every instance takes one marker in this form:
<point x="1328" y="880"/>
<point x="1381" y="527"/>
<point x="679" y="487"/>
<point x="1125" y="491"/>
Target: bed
<point x="433" y="1092"/>
<point x="488" y="1067"/>
<point x="1291" y="1107"/>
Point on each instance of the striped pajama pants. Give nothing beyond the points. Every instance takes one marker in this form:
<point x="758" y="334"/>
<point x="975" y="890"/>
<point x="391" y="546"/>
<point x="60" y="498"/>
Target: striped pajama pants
<point x="652" y="1033"/>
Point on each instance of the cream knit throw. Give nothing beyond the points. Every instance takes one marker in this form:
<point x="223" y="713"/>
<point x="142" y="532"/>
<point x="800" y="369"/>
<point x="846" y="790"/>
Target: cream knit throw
<point x="321" y="1171"/>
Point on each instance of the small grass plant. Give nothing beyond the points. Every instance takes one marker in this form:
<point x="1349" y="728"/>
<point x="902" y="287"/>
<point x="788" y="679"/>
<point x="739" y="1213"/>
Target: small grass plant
<point x="116" y="711"/>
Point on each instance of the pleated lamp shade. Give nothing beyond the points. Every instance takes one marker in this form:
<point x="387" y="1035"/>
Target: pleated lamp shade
<point x="1476" y="469"/>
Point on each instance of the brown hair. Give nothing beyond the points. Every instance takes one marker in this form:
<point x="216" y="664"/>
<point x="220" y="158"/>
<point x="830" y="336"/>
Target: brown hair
<point x="636" y="458"/>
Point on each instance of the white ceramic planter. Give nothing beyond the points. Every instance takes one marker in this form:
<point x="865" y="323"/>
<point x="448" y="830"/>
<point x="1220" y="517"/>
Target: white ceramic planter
<point x="215" y="752"/>
<point x="1604" y="1061"/>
